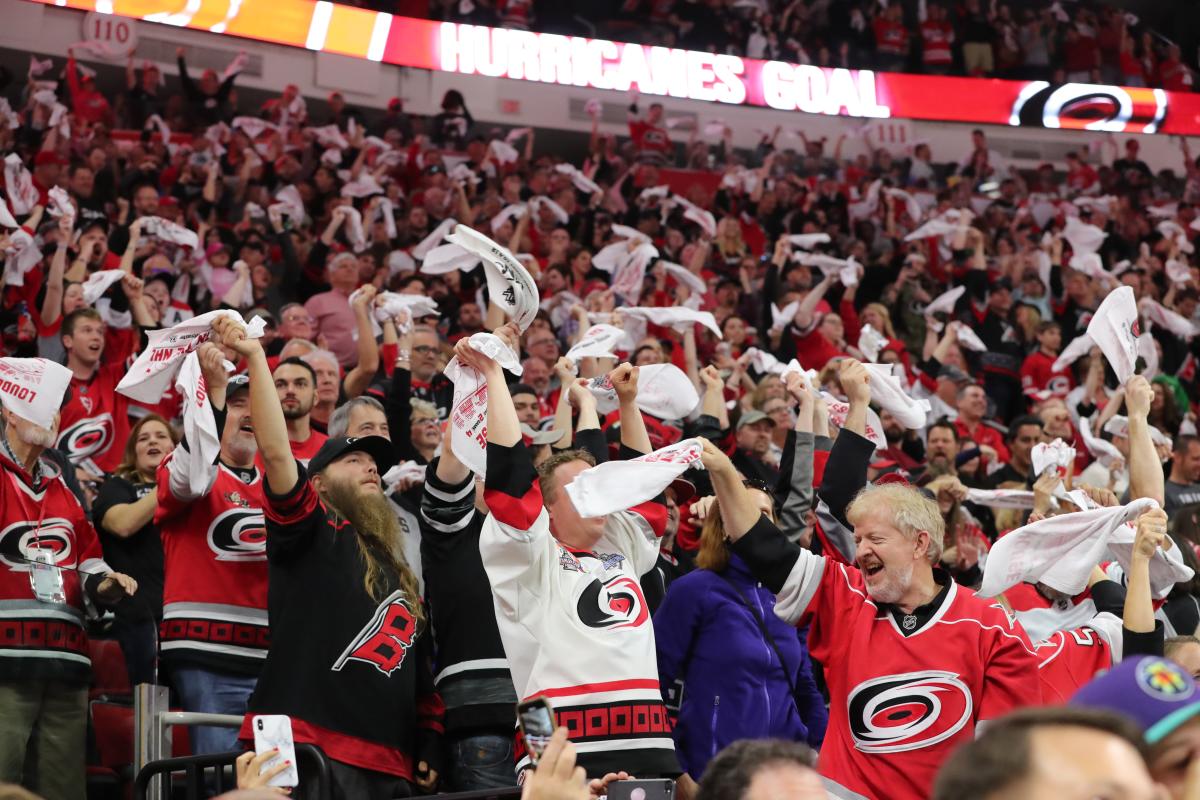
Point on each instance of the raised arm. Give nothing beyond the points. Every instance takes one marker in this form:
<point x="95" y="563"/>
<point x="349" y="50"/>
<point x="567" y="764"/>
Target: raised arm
<point x="1145" y="468"/>
<point x="808" y="306"/>
<point x="52" y="302"/>
<point x="1139" y="605"/>
<point x="633" y="425"/>
<point x="739" y="511"/>
<point x="270" y="428"/>
<point x="359" y="378"/>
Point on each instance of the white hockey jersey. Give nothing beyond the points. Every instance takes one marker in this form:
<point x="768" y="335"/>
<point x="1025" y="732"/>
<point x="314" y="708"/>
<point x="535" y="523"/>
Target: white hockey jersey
<point x="575" y="626"/>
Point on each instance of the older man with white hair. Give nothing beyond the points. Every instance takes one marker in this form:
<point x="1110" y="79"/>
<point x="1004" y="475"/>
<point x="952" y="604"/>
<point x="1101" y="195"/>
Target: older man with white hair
<point x="50" y="561"/>
<point x="915" y="663"/>
<point x="331" y="310"/>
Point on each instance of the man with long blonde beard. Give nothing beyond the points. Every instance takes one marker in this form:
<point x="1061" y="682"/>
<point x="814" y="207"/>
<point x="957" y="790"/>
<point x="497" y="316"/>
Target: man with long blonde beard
<point x="915" y="663"/>
<point x="351" y="655"/>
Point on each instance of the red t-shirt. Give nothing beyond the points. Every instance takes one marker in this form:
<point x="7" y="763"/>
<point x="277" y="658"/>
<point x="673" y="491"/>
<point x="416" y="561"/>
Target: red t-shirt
<point x="984" y="435"/>
<point x="1038" y="374"/>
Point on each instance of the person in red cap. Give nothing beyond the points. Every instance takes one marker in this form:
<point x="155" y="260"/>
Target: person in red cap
<point x="47" y="168"/>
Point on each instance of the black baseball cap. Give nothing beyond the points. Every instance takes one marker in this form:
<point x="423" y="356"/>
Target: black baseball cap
<point x="376" y="447"/>
<point x="236" y="384"/>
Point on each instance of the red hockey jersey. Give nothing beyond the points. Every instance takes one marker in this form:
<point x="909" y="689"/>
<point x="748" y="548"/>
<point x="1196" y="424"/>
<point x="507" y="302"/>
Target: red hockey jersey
<point x="1069" y="659"/>
<point x="215" y="557"/>
<point x="1038" y="375"/>
<point x="899" y="704"/>
<point x="95" y="421"/>
<point x="39" y="638"/>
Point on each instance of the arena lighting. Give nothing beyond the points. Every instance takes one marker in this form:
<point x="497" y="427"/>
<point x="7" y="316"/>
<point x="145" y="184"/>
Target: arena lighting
<point x="667" y="72"/>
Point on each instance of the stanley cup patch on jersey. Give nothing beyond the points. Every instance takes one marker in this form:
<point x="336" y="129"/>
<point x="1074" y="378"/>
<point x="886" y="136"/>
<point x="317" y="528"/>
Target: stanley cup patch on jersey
<point x="385" y="640"/>
<point x="896" y="713"/>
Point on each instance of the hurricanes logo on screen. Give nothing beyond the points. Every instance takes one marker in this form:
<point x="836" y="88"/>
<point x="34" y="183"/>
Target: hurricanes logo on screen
<point x="614" y="603"/>
<point x="909" y="711"/>
<point x="19" y="539"/>
<point x="239" y="534"/>
<point x="1089" y="106"/>
<point x="87" y="437"/>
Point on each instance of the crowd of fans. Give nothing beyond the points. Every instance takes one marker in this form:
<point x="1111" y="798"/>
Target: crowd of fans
<point x="257" y="366"/>
<point x="1080" y="42"/>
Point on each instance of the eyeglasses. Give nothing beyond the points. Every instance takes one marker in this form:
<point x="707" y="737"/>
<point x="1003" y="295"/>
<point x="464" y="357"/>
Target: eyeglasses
<point x="424" y="349"/>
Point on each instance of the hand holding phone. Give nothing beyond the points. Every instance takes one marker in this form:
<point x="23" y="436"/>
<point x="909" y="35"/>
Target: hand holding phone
<point x="535" y="717"/>
<point x="273" y="733"/>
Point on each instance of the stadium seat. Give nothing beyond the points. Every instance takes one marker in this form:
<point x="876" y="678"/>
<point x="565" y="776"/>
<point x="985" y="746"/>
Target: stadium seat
<point x="110" y="679"/>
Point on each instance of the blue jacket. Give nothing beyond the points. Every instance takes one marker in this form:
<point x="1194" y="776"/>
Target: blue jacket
<point x="733" y="687"/>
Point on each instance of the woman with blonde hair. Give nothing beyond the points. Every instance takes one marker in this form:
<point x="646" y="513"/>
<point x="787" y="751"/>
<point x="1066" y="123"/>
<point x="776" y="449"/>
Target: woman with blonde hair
<point x="124" y="517"/>
<point x="879" y="317"/>
<point x="735" y="670"/>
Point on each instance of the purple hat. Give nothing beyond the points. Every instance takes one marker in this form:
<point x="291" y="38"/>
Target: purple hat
<point x="1154" y="692"/>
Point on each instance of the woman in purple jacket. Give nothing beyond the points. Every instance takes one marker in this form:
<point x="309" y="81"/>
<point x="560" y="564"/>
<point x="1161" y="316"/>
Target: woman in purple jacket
<point x="718" y="665"/>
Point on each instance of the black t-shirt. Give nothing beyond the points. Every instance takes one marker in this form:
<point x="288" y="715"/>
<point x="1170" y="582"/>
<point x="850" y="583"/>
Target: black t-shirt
<point x="140" y="556"/>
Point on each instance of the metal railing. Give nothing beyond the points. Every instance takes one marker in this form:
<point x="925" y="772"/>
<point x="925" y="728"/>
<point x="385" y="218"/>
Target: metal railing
<point x="205" y="776"/>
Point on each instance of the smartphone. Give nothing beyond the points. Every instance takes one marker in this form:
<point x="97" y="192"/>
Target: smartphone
<point x="535" y="718"/>
<point x="275" y="731"/>
<point x="652" y="789"/>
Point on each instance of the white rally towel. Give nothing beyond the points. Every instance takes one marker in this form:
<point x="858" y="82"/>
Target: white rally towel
<point x="944" y="224"/>
<point x="329" y="136"/>
<point x="782" y="317"/>
<point x="630" y="276"/>
<point x="514" y="211"/>
<point x="289" y="202"/>
<point x="22" y="194"/>
<point x="677" y="318"/>
<point x="1166" y="566"/>
<point x="155" y="367"/>
<point x="168" y="231"/>
<point x="22" y="256"/>
<point x="433" y="239"/>
<point x="1058" y="551"/>
<point x="1084" y="238"/>
<point x="968" y="338"/>
<point x="1114" y="329"/>
<point x="60" y="203"/>
<point x="1162" y="316"/>
<point x="763" y="362"/>
<point x="33" y="388"/>
<point x="606" y="396"/>
<point x="199" y="424"/>
<point x="355" y="234"/>
<point x="468" y="412"/>
<point x="509" y="284"/>
<point x="1105" y="452"/>
<point x="847" y="269"/>
<point x="598" y="341"/>
<point x="1078" y="347"/>
<point x="1052" y="455"/>
<point x="838" y="410"/>
<point x="253" y="126"/>
<point x="684" y="276"/>
<point x="404" y="471"/>
<point x="447" y="258"/>
<point x="943" y="303"/>
<point x="870" y="341"/>
<point x="1001" y="498"/>
<point x="1178" y="271"/>
<point x="98" y="282"/>
<point x="698" y="215"/>
<point x="619" y="485"/>
<point x="580" y="181"/>
<point x="503" y="152"/>
<point x="889" y="394"/>
<point x="807" y="241"/>
<point x="664" y="391"/>
<point x="1148" y="350"/>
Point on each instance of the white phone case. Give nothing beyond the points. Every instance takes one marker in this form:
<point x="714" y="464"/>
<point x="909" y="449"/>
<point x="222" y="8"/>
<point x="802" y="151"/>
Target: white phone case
<point x="272" y="731"/>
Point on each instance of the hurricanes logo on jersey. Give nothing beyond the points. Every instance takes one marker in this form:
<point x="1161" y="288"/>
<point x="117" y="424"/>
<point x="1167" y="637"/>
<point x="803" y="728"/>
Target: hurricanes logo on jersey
<point x="20" y="538"/>
<point x="895" y="713"/>
<point x="87" y="437"/>
<point x="385" y="640"/>
<point x="239" y="534"/>
<point x="614" y="603"/>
